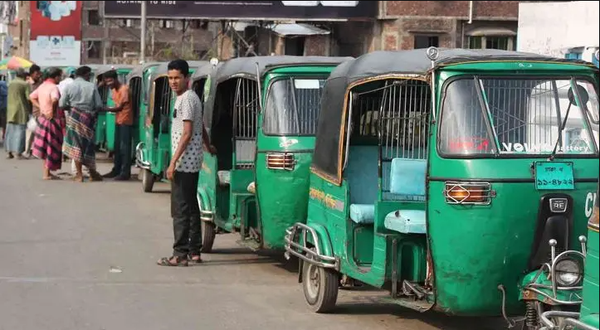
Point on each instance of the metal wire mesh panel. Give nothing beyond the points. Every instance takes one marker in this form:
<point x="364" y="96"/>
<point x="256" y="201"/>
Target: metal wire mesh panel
<point x="525" y="116"/>
<point x="245" y="108"/>
<point x="293" y="107"/>
<point x="404" y="126"/>
<point x="164" y="103"/>
<point x="135" y="88"/>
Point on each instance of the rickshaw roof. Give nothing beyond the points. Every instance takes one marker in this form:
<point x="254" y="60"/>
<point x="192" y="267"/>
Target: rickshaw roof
<point x="163" y="68"/>
<point x="205" y="70"/>
<point x="105" y="68"/>
<point x="138" y="70"/>
<point x="246" y="66"/>
<point x="416" y="61"/>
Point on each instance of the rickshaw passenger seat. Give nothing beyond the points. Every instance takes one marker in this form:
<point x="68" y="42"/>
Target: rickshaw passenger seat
<point x="362" y="177"/>
<point x="407" y="177"/>
<point x="406" y="221"/>
<point x="362" y="213"/>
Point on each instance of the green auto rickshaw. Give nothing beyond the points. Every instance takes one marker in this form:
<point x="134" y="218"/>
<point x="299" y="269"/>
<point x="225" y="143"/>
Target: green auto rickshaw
<point x="139" y="87"/>
<point x="588" y="317"/>
<point x="262" y="120"/>
<point x="441" y="175"/>
<point x="154" y="154"/>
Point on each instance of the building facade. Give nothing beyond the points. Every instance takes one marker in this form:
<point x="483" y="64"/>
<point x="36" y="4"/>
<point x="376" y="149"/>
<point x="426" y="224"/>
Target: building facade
<point x="395" y="25"/>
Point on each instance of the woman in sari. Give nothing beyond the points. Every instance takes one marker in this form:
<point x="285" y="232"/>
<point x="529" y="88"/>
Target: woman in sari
<point x="48" y="138"/>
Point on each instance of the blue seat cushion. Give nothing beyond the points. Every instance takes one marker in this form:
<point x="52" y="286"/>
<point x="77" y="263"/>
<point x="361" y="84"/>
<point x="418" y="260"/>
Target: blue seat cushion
<point x="406" y="222"/>
<point x="407" y="177"/>
<point x="362" y="213"/>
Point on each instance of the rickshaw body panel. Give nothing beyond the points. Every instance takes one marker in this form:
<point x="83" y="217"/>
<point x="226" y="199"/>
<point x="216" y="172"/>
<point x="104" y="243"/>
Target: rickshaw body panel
<point x="591" y="320"/>
<point x="364" y="252"/>
<point x="591" y="289"/>
<point x="283" y="194"/>
<point x="497" y="239"/>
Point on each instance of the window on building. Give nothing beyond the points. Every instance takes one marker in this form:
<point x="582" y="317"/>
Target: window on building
<point x="167" y="24"/>
<point x="489" y="42"/>
<point x="127" y="23"/>
<point x="422" y="41"/>
<point x="94" y="49"/>
<point x="294" y="46"/>
<point x="198" y="24"/>
<point x="93" y="17"/>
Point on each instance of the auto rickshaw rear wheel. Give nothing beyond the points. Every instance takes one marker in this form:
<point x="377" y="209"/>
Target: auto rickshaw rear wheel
<point x="320" y="287"/>
<point x="147" y="180"/>
<point x="209" y="231"/>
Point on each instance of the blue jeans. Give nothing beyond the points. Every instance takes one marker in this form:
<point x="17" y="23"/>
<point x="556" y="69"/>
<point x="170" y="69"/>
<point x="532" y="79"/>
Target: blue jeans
<point x="122" y="162"/>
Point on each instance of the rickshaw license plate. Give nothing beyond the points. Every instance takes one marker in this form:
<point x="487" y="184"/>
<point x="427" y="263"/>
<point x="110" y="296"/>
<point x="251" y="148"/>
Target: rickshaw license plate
<point x="554" y="176"/>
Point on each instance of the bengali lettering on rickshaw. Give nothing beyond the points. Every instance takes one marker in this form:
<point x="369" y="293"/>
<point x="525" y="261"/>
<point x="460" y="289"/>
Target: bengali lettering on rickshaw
<point x="326" y="199"/>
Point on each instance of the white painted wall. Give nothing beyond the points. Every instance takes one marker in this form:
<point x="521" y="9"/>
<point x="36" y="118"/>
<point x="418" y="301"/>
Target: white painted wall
<point x="548" y="28"/>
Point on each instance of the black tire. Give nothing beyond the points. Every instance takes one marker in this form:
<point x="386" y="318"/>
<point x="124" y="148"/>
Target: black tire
<point x="209" y="231"/>
<point x="320" y="287"/>
<point x="147" y="180"/>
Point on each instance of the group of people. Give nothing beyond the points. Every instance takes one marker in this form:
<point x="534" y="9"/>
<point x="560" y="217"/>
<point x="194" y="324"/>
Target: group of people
<point x="65" y="113"/>
<point x="52" y="118"/>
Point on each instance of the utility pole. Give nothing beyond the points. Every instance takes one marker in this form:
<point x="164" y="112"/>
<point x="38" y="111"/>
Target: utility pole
<point x="143" y="34"/>
<point x="105" y="41"/>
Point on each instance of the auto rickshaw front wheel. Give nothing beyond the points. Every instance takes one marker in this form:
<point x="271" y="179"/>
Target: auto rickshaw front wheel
<point x="147" y="180"/>
<point x="209" y="231"/>
<point x="320" y="287"/>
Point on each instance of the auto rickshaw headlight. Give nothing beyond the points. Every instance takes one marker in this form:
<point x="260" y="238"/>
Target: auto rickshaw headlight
<point x="568" y="272"/>
<point x="468" y="193"/>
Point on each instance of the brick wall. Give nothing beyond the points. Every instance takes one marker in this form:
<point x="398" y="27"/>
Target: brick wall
<point x="452" y="9"/>
<point x="446" y="21"/>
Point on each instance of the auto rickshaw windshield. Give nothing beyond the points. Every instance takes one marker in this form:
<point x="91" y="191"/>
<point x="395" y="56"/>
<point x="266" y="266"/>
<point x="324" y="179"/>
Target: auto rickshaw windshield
<point x="293" y="106"/>
<point x="517" y="116"/>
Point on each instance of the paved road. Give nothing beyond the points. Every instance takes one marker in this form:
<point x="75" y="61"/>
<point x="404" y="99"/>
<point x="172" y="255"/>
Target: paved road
<point x="59" y="240"/>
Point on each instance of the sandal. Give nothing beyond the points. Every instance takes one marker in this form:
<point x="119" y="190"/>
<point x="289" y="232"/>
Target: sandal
<point x="195" y="259"/>
<point x="78" y="178"/>
<point x="51" y="177"/>
<point x="173" y="261"/>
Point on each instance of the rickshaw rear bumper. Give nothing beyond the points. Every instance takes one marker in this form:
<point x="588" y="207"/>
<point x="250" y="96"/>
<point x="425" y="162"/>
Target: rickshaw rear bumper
<point x="569" y="319"/>
<point x="296" y="244"/>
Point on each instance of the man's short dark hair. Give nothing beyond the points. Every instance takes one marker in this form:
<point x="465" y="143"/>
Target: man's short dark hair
<point x="112" y="74"/>
<point x="21" y="73"/>
<point x="179" y="65"/>
<point x="82" y="71"/>
<point x="34" y="68"/>
<point x="54" y="73"/>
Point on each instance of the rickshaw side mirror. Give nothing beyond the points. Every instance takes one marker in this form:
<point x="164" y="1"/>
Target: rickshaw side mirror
<point x="583" y="94"/>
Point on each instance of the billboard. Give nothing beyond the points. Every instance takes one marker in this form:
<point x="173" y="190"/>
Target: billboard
<point x="55" y="36"/>
<point x="250" y="10"/>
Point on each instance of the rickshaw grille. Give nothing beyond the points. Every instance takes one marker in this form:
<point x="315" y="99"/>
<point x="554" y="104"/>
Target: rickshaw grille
<point x="281" y="161"/>
<point x="468" y="193"/>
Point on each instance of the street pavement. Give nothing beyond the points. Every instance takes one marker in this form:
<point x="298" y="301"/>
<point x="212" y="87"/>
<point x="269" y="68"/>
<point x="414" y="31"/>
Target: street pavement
<point x="77" y="256"/>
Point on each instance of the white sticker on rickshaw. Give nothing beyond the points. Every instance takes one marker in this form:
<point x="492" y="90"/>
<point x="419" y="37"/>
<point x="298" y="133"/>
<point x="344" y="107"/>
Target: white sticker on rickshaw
<point x="544" y="147"/>
<point x="590" y="200"/>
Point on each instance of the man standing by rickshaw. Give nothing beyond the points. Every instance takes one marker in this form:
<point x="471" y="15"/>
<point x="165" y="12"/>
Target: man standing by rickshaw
<point x="124" y="119"/>
<point x="187" y="137"/>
